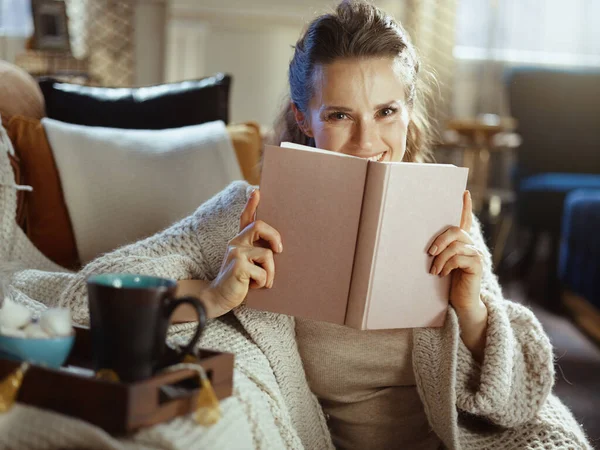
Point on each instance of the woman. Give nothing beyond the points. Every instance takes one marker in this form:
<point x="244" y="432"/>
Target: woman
<point x="481" y="381"/>
<point x="353" y="90"/>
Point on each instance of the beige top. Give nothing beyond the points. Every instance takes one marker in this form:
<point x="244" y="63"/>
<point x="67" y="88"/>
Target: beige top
<point x="366" y="386"/>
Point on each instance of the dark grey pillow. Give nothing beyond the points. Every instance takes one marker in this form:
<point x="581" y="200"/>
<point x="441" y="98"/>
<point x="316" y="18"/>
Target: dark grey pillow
<point x="154" y="107"/>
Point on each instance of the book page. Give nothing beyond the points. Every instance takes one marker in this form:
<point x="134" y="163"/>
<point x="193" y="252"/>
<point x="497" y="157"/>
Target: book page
<point x="313" y="198"/>
<point x="421" y="201"/>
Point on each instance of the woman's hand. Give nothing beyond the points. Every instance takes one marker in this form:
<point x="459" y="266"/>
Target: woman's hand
<point x="455" y="254"/>
<point x="246" y="265"/>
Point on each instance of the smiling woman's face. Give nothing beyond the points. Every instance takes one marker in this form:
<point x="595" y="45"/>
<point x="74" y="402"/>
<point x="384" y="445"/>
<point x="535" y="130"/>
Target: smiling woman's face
<point x="358" y="108"/>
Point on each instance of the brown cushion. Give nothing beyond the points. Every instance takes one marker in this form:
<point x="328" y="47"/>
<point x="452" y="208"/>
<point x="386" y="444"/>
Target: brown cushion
<point x="247" y="142"/>
<point x="47" y="223"/>
<point x="19" y="93"/>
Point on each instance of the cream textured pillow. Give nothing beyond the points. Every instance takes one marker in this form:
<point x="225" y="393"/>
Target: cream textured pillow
<point x="123" y="185"/>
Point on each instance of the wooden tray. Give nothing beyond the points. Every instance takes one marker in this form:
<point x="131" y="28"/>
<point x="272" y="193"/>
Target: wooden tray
<point x="118" y="408"/>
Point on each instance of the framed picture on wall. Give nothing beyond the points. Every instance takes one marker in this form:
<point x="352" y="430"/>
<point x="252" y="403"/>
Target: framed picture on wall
<point x="50" y="24"/>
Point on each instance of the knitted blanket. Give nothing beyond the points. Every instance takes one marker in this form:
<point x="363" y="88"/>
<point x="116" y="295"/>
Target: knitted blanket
<point x="504" y="403"/>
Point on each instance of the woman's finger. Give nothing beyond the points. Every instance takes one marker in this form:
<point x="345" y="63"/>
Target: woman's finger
<point x="455" y="248"/>
<point x="258" y="276"/>
<point x="466" y="219"/>
<point x="259" y="230"/>
<point x="264" y="257"/>
<point x="249" y="212"/>
<point x="448" y="237"/>
<point x="471" y="264"/>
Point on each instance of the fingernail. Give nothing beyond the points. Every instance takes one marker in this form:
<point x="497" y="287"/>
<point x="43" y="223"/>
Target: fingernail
<point x="433" y="250"/>
<point x="433" y="270"/>
<point x="280" y="247"/>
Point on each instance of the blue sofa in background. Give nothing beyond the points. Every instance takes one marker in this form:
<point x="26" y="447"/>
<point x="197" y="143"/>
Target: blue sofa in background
<point x="579" y="267"/>
<point x="558" y="114"/>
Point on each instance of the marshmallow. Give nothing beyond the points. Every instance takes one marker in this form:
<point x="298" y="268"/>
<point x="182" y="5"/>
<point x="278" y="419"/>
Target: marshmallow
<point x="14" y="315"/>
<point x="56" y="322"/>
<point x="34" y="330"/>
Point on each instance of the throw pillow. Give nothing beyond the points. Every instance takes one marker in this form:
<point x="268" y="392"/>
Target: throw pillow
<point x="46" y="222"/>
<point x="123" y="185"/>
<point x="247" y="142"/>
<point x="149" y="108"/>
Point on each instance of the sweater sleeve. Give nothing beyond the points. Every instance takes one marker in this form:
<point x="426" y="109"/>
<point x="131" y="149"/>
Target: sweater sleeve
<point x="517" y="372"/>
<point x="190" y="249"/>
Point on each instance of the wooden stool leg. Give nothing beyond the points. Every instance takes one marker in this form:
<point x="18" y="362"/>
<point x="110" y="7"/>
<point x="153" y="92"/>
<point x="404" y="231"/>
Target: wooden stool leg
<point x="506" y="225"/>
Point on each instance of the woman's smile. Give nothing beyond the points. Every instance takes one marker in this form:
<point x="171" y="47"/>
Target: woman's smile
<point x="378" y="157"/>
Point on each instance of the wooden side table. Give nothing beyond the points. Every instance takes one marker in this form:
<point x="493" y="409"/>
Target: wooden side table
<point x="478" y="136"/>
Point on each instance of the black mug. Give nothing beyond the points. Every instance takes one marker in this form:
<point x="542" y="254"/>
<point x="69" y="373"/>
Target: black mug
<point x="129" y="318"/>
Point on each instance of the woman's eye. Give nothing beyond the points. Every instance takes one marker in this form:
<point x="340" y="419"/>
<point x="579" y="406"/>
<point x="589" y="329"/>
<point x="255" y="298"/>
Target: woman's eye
<point x="387" y="112"/>
<point x="338" y="116"/>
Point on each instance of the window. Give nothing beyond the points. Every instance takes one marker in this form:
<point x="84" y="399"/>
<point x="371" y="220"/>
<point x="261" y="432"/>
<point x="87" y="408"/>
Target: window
<point x="15" y="18"/>
<point x="529" y="31"/>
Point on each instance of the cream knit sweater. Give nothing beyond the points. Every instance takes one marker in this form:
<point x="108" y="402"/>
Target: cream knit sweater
<point x="506" y="403"/>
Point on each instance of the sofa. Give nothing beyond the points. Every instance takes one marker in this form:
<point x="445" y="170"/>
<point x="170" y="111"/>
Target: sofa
<point x="557" y="112"/>
<point x="579" y="266"/>
<point x="187" y="107"/>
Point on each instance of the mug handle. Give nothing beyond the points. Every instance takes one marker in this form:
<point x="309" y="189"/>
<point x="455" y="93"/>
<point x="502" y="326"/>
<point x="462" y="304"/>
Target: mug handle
<point x="200" y="311"/>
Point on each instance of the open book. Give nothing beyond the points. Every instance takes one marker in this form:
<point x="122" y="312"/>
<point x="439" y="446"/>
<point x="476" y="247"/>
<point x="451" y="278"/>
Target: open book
<point x="355" y="237"/>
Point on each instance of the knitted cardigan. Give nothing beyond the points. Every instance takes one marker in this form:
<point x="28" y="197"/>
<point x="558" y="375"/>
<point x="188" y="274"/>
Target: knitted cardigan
<point x="504" y="403"/>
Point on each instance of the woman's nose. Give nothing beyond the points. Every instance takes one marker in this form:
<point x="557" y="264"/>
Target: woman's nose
<point x="366" y="136"/>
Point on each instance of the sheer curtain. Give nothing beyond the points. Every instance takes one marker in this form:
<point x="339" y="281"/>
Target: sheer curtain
<point x="16" y="26"/>
<point x="548" y="32"/>
<point x="79" y="25"/>
<point x="492" y="35"/>
<point x="15" y="18"/>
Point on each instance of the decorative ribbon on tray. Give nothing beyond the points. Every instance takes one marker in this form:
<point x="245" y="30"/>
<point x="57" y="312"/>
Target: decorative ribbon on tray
<point x="107" y="375"/>
<point x="208" y="411"/>
<point x="9" y="387"/>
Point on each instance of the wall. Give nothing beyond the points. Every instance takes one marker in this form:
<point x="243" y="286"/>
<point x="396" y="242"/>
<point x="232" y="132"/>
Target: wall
<point x="258" y="61"/>
<point x="149" y="41"/>
<point x="10" y="46"/>
<point x="251" y="41"/>
<point x="253" y="45"/>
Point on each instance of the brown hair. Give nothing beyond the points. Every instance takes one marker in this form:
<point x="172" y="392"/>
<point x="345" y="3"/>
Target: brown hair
<point x="356" y="29"/>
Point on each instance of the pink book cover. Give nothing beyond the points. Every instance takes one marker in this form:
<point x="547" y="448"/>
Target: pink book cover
<point x="355" y="236"/>
<point x="313" y="198"/>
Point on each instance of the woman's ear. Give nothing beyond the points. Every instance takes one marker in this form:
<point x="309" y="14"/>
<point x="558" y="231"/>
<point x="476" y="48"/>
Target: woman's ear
<point x="303" y="124"/>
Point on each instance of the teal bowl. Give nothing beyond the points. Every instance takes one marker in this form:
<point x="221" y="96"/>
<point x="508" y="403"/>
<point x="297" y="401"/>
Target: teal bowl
<point x="50" y="352"/>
